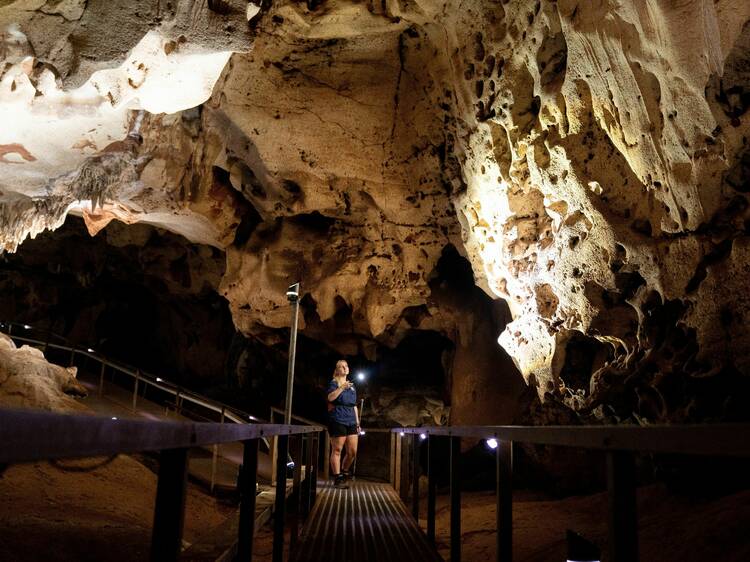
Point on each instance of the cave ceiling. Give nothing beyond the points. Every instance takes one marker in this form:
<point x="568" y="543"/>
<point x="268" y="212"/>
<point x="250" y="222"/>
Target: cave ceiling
<point x="589" y="159"/>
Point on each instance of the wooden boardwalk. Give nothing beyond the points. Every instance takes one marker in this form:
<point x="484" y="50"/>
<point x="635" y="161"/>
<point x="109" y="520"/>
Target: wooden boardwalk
<point x="367" y="522"/>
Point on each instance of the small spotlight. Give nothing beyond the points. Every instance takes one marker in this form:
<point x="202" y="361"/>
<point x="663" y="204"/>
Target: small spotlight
<point x="361" y="376"/>
<point x="252" y="418"/>
<point x="158" y="379"/>
<point x="292" y="293"/>
<point x="362" y="432"/>
<point x="401" y="433"/>
<point x="114" y="417"/>
<point x="492" y="443"/>
<point x="290" y="464"/>
<point x="423" y="436"/>
<point x="90" y="350"/>
<point x="27" y="327"/>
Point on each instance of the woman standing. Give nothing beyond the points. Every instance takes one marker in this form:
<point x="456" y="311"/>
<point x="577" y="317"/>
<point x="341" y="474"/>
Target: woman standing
<point x="343" y="422"/>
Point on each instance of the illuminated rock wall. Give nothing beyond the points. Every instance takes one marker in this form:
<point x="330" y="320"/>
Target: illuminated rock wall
<point x="588" y="158"/>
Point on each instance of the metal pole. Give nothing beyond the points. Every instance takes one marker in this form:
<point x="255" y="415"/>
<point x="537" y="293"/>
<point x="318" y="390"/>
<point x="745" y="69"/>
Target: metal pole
<point x="504" y="501"/>
<point x="248" y="479"/>
<point x="431" y="487"/>
<point x="415" y="477"/>
<point x="314" y="474"/>
<point x="169" y="514"/>
<point x="135" y="387"/>
<point x="296" y="490"/>
<point x="214" y="457"/>
<point x="455" y="499"/>
<point x="280" y="499"/>
<point x="293" y="295"/>
<point x="623" y="518"/>
<point x="101" y="378"/>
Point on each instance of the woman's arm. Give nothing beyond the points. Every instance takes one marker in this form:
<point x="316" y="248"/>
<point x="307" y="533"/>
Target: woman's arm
<point x="336" y="393"/>
<point x="356" y="416"/>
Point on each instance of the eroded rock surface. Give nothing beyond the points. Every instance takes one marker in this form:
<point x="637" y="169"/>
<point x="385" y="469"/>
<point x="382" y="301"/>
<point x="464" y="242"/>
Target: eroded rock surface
<point x="589" y="159"/>
<point x="27" y="380"/>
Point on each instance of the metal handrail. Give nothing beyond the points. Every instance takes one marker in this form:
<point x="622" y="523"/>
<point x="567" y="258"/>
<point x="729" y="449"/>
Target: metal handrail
<point x="619" y="443"/>
<point x="229" y="412"/>
<point x="711" y="439"/>
<point x="29" y="436"/>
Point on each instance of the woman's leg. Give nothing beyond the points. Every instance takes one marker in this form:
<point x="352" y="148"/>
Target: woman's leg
<point x="351" y="450"/>
<point x="337" y="444"/>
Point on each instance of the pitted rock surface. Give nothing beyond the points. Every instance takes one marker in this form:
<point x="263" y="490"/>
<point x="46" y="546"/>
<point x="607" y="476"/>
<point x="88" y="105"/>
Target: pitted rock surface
<point x="590" y="159"/>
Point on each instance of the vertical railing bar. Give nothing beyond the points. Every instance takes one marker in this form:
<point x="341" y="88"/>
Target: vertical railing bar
<point x="623" y="518"/>
<point x="296" y="479"/>
<point x="169" y="511"/>
<point x="282" y="451"/>
<point x="504" y="481"/>
<point x="415" y="477"/>
<point x="431" y="487"/>
<point x="307" y="490"/>
<point x="455" y="451"/>
<point x="101" y="379"/>
<point x="327" y="449"/>
<point x="316" y="462"/>
<point x="247" y="491"/>
<point x="135" y="387"/>
<point x="392" y="464"/>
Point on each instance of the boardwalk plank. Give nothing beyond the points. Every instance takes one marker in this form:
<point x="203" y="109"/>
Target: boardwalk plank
<point x="367" y="523"/>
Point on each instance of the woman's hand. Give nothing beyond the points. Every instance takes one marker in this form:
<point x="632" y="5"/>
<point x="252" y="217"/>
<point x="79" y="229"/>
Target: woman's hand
<point x="347" y="385"/>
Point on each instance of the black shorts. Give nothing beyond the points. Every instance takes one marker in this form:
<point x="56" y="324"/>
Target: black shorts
<point x="336" y="429"/>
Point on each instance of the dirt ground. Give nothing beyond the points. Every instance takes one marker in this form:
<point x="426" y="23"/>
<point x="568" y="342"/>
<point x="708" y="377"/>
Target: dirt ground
<point x="671" y="528"/>
<point x="106" y="514"/>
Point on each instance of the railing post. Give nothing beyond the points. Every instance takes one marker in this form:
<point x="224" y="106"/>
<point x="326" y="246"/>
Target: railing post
<point x="135" y="388"/>
<point x="296" y="479"/>
<point x="72" y="355"/>
<point x="169" y="513"/>
<point x="316" y="461"/>
<point x="101" y="379"/>
<point x="431" y="487"/>
<point x="248" y="480"/>
<point x="307" y="487"/>
<point x="215" y="455"/>
<point x="415" y="477"/>
<point x="623" y="519"/>
<point x="282" y="451"/>
<point x="392" y="457"/>
<point x="397" y="465"/>
<point x="327" y="454"/>
<point x="455" y="447"/>
<point x="504" y="501"/>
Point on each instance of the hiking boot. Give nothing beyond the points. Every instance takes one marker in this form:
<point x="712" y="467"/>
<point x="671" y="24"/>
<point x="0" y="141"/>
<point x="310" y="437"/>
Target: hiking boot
<point x="339" y="481"/>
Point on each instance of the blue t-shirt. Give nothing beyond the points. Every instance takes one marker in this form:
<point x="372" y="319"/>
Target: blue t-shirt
<point x="343" y="407"/>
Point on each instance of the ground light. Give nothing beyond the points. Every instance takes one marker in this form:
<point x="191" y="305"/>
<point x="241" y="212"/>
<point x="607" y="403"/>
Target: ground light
<point x="90" y="350"/>
<point x="581" y="549"/>
<point x="492" y="443"/>
<point x="423" y="436"/>
<point x="401" y="433"/>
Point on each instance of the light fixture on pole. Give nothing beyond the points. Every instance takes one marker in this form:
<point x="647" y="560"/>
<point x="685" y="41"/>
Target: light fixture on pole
<point x="292" y="294"/>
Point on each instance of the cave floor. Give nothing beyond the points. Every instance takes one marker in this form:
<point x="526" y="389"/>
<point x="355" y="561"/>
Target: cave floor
<point x="671" y="527"/>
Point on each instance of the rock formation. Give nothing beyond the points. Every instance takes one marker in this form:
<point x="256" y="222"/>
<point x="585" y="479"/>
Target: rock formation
<point x="589" y="159"/>
<point x="27" y="380"/>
